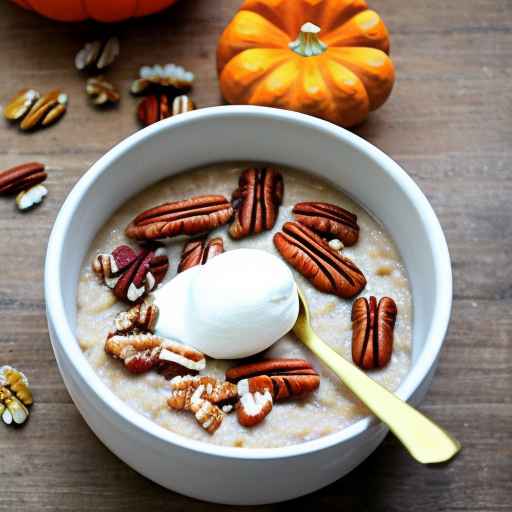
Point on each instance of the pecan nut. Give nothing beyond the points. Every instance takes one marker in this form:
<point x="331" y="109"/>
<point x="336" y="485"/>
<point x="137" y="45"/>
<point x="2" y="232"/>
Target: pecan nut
<point x="182" y="104"/>
<point x="197" y="395"/>
<point x="153" y="108"/>
<point x="253" y="408"/>
<point x="45" y="111"/>
<point x="101" y="91"/>
<point x="329" y="221"/>
<point x="28" y="199"/>
<point x="97" y="55"/>
<point x="140" y="318"/>
<point x="15" y="396"/>
<point x="20" y="104"/>
<point x="169" y="77"/>
<point x="188" y="217"/>
<point x="131" y="275"/>
<point x="372" y="331"/>
<point x="256" y="201"/>
<point x="142" y="352"/>
<point x="283" y="378"/>
<point x="325" y="268"/>
<point x="199" y="251"/>
<point x="22" y="177"/>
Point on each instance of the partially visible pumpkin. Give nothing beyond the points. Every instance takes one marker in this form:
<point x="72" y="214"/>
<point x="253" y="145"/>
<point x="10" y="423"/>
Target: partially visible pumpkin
<point x="327" y="58"/>
<point x="100" y="10"/>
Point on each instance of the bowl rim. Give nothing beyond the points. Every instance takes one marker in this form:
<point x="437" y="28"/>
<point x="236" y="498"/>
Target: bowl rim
<point x="62" y="330"/>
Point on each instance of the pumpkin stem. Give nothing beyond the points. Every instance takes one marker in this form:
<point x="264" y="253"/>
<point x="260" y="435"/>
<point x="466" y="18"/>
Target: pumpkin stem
<point x="308" y="43"/>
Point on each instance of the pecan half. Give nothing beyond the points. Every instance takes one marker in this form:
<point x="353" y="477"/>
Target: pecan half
<point x="153" y="108"/>
<point x="101" y="91"/>
<point x="171" y="77"/>
<point x="22" y="177"/>
<point x="200" y="395"/>
<point x="97" y="55"/>
<point x="253" y="408"/>
<point x="188" y="217"/>
<point x="199" y="251"/>
<point x="45" y="111"/>
<point x="283" y="378"/>
<point x="28" y="199"/>
<point x="325" y="268"/>
<point x="142" y="352"/>
<point x="372" y="331"/>
<point x="141" y="318"/>
<point x="131" y="275"/>
<point x="329" y="221"/>
<point x="15" y="396"/>
<point x="182" y="104"/>
<point x="256" y="201"/>
<point x="20" y="104"/>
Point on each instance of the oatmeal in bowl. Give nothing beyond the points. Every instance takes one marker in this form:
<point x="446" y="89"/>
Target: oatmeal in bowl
<point x="177" y="263"/>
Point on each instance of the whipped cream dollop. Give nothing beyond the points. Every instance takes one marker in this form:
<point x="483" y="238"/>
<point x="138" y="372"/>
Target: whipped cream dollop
<point x="236" y="305"/>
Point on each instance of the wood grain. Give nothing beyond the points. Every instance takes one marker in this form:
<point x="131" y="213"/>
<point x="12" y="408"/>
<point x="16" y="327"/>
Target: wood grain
<point x="448" y="122"/>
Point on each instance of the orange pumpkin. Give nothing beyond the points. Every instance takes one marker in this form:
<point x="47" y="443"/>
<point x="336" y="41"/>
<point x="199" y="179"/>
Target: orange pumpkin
<point x="327" y="58"/>
<point x="100" y="10"/>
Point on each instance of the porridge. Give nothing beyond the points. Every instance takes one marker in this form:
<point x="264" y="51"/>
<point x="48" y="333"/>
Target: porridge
<point x="327" y="409"/>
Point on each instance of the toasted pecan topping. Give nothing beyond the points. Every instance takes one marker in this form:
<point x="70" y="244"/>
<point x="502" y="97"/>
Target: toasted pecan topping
<point x="372" y="331"/>
<point x="253" y="408"/>
<point x="188" y="217"/>
<point x="325" y="268"/>
<point x="198" y="251"/>
<point x="132" y="275"/>
<point x="256" y="201"/>
<point x="329" y="221"/>
<point x="15" y="396"/>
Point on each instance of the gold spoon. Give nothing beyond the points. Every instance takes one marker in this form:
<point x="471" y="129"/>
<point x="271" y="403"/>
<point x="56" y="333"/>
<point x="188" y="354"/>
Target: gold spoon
<point x="424" y="440"/>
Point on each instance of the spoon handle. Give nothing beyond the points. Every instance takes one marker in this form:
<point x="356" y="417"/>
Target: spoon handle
<point x="425" y="441"/>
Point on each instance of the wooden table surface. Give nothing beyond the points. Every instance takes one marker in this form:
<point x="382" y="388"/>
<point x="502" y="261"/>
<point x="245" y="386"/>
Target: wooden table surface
<point x="448" y="123"/>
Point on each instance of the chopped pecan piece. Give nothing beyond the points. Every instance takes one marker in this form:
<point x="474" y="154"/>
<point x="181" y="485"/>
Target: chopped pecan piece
<point x="199" y="396"/>
<point x="15" y="396"/>
<point x="256" y="201"/>
<point x="171" y="77"/>
<point x="20" y="104"/>
<point x="142" y="352"/>
<point x="142" y="317"/>
<point x="372" y="331"/>
<point x="329" y="221"/>
<point x="325" y="268"/>
<point x="97" y="55"/>
<point x="22" y="177"/>
<point x="188" y="217"/>
<point x="182" y="104"/>
<point x="253" y="408"/>
<point x="101" y="91"/>
<point x="198" y="251"/>
<point x="283" y="378"/>
<point x="131" y="275"/>
<point x="28" y="199"/>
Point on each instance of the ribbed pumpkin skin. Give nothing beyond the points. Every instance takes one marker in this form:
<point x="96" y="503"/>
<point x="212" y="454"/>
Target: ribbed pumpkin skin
<point x="99" y="10"/>
<point x="353" y="76"/>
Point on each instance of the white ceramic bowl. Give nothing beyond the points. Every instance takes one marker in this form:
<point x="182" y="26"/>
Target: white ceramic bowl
<point x="197" y="469"/>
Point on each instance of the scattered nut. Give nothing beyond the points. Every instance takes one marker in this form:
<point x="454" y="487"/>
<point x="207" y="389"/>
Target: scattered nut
<point x="22" y="177"/>
<point x="140" y="318"/>
<point x="153" y="108"/>
<point x="182" y="104"/>
<point x="20" y="104"/>
<point x="168" y="76"/>
<point x="198" y="251"/>
<point x="15" y="396"/>
<point x="336" y="245"/>
<point x="97" y="55"/>
<point x="101" y="91"/>
<point x="27" y="199"/>
<point x="45" y="111"/>
<point x="253" y="408"/>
